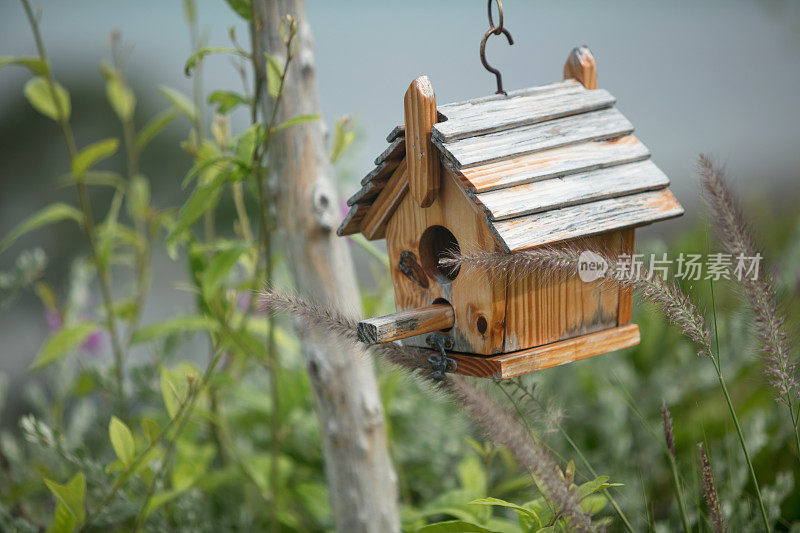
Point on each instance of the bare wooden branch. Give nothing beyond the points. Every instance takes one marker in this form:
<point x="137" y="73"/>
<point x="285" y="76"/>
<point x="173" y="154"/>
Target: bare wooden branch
<point x="404" y="324"/>
<point x="361" y="479"/>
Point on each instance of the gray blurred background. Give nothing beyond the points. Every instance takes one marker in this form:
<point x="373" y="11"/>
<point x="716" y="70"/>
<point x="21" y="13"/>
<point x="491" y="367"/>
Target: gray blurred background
<point x="714" y="76"/>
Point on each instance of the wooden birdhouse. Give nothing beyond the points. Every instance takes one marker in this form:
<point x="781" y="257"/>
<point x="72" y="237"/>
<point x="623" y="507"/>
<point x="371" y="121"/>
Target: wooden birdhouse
<point x="508" y="173"/>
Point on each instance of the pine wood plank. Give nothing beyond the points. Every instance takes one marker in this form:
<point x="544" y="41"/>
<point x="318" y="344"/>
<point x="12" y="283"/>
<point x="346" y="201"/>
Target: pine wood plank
<point x="581" y="66"/>
<point x="626" y="294"/>
<point x="352" y="220"/>
<point x="503" y="114"/>
<point x="474" y="295"/>
<point x="541" y="309"/>
<point x="554" y="163"/>
<point x="373" y="225"/>
<point x="588" y="219"/>
<point x="593" y="126"/>
<point x="404" y="324"/>
<point x="422" y="156"/>
<point x="381" y="171"/>
<point x="397" y="131"/>
<point x="570" y="190"/>
<point x="509" y="365"/>
<point x="367" y="192"/>
<point x="562" y="85"/>
<point x="395" y="150"/>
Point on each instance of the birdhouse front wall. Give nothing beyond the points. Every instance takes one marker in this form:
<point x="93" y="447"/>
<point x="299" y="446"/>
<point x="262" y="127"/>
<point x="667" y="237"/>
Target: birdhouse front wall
<point x="495" y="312"/>
<point x="545" y="309"/>
<point x="478" y="298"/>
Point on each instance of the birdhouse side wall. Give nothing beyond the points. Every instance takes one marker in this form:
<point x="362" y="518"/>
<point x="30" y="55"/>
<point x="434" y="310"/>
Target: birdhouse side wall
<point x="478" y="298"/>
<point x="544" y="309"/>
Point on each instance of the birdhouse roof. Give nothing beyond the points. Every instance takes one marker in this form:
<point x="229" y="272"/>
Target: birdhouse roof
<point x="544" y="164"/>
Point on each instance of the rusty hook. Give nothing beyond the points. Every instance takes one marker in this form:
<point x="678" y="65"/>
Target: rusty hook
<point x="486" y="64"/>
<point x="495" y="30"/>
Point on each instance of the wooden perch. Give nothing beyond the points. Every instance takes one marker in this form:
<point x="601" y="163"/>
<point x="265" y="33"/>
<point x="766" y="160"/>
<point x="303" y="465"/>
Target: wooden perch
<point x="404" y="324"/>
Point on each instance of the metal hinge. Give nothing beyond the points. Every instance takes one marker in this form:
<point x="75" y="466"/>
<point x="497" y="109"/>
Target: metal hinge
<point x="439" y="361"/>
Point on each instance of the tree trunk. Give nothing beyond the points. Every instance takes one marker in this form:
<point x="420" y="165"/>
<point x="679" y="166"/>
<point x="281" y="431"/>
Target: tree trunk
<point x="361" y="478"/>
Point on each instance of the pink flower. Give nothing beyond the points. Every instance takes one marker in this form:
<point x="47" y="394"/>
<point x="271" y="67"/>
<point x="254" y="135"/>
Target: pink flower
<point x="93" y="342"/>
<point x="53" y="319"/>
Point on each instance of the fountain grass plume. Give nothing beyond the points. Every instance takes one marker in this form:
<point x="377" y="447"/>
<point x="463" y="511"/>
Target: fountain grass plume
<point x="669" y="442"/>
<point x="735" y="235"/>
<point x="669" y="433"/>
<point x="493" y="419"/>
<point x="504" y="429"/>
<point x="310" y="313"/>
<point x="710" y="493"/>
<point x="562" y="261"/>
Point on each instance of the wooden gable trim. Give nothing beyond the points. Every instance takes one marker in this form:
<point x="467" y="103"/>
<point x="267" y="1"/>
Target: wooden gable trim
<point x="580" y="66"/>
<point x="373" y="225"/>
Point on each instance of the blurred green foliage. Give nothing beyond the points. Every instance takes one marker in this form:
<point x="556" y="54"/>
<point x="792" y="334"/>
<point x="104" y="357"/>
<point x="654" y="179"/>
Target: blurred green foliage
<point x="190" y="446"/>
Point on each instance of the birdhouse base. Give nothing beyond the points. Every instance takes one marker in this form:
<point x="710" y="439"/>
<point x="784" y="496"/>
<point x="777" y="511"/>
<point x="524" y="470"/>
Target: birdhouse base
<point x="514" y="364"/>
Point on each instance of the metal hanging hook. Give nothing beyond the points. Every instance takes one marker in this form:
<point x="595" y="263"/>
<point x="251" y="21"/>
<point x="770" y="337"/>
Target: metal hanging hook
<point x="495" y="30"/>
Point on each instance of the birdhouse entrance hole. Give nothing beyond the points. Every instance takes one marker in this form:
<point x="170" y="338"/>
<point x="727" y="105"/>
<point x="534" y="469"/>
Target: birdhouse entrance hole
<point x="437" y="243"/>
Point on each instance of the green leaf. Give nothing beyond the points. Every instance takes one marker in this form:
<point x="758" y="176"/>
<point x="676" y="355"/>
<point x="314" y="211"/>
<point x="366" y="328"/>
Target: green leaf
<point x="63" y="341"/>
<point x="594" y="503"/>
<point x="138" y="199"/>
<point x="121" y="98"/>
<point x="472" y="475"/>
<point x="160" y="499"/>
<point x="191" y="63"/>
<point x="50" y="214"/>
<point x="122" y="441"/>
<point x="274" y="75"/>
<point x="63" y="520"/>
<point x="218" y="268"/>
<point x="154" y="127"/>
<point x="241" y="7"/>
<point x="71" y="495"/>
<point x="502" y="503"/>
<point x="178" y="324"/>
<point x="244" y="342"/>
<point x="150" y="429"/>
<point x="294" y="121"/>
<point x="227" y="101"/>
<point x="40" y="95"/>
<point x="36" y="65"/>
<point x="94" y="177"/>
<point x="203" y="198"/>
<point x="343" y="137"/>
<point x="91" y="155"/>
<point x="214" y="164"/>
<point x="174" y="393"/>
<point x="590" y="487"/>
<point x="246" y="142"/>
<point x="181" y="102"/>
<point x="455" y="526"/>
